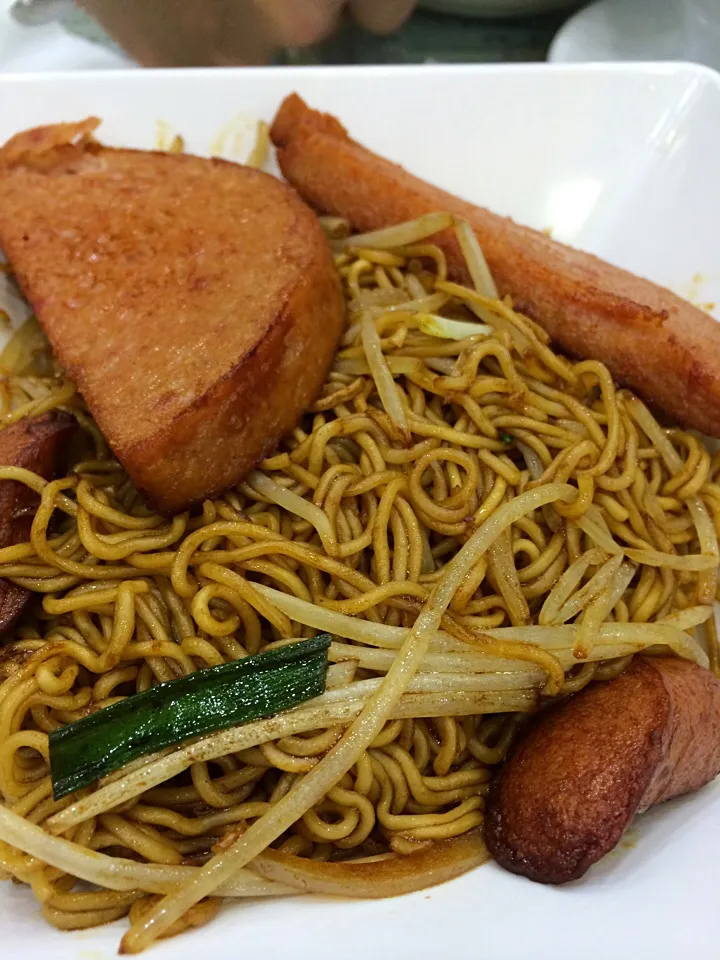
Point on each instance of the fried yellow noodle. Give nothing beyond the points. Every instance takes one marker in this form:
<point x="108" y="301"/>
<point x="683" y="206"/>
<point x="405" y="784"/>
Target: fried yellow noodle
<point x="478" y="521"/>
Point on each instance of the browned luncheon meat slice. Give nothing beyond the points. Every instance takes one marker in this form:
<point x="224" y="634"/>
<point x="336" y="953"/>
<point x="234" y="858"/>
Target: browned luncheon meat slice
<point x="668" y="350"/>
<point x="579" y="774"/>
<point x="194" y="302"/>
<point x="36" y="444"/>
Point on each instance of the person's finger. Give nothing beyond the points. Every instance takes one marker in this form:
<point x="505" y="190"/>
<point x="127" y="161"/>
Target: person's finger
<point x="298" y="23"/>
<point x="186" y="33"/>
<point x="381" y="16"/>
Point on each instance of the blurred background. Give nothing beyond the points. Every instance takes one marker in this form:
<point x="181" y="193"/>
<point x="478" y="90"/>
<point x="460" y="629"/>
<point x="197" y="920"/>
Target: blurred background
<point x="100" y="34"/>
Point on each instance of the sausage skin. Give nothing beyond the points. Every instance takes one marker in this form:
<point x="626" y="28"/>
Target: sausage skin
<point x="36" y="444"/>
<point x="577" y="776"/>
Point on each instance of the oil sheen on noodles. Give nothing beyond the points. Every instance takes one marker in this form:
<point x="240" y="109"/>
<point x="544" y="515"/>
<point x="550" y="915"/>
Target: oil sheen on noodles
<point x="478" y="521"/>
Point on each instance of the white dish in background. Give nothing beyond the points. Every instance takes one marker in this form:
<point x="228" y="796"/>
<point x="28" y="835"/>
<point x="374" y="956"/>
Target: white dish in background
<point x="620" y="160"/>
<point x="635" y="30"/>
<point x="49" y="46"/>
<point x="621" y="30"/>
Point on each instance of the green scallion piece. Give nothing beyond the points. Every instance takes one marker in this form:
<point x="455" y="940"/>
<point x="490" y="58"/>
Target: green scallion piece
<point x="170" y="713"/>
<point x="506" y="437"/>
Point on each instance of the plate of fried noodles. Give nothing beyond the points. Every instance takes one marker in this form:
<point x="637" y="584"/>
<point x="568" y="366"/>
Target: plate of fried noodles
<point x="403" y="551"/>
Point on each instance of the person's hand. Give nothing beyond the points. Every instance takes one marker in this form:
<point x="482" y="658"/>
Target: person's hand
<point x="224" y="32"/>
<point x="303" y="22"/>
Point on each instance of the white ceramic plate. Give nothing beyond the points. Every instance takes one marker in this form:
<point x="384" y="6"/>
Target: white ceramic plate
<point x="620" y="160"/>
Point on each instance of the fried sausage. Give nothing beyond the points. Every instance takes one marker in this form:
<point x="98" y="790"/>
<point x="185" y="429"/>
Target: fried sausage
<point x="35" y="444"/>
<point x="578" y="775"/>
<point x="666" y="349"/>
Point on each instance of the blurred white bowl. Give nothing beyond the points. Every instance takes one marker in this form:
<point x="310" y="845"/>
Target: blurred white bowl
<point x="496" y="8"/>
<point x="702" y="31"/>
<point x="641" y="30"/>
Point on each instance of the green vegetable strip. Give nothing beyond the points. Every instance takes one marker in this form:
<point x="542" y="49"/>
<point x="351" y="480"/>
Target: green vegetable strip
<point x="170" y="713"/>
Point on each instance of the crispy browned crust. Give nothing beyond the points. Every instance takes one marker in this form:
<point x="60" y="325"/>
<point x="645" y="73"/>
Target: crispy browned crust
<point x="35" y="444"/>
<point x="668" y="350"/>
<point x="194" y="302"/>
<point x="580" y="772"/>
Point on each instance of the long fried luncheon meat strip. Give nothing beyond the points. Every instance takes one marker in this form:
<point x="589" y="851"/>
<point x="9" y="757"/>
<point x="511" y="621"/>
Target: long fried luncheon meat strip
<point x="580" y="772"/>
<point x="668" y="350"/>
<point x="35" y="444"/>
